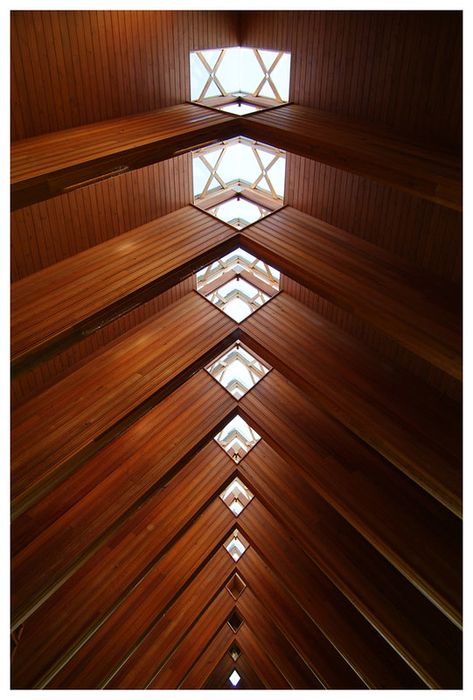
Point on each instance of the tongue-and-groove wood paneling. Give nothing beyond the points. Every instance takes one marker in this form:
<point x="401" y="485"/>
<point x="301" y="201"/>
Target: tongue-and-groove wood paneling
<point x="402" y="69"/>
<point x="77" y="67"/>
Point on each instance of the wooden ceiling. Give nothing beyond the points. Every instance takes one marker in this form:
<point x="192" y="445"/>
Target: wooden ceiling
<point x="353" y="572"/>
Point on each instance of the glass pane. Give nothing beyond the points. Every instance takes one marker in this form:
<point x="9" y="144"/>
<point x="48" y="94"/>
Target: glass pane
<point x="240" y="109"/>
<point x="228" y="70"/>
<point x="281" y="74"/>
<point x="277" y="174"/>
<point x="250" y="71"/>
<point x="268" y="57"/>
<point x="200" y="176"/>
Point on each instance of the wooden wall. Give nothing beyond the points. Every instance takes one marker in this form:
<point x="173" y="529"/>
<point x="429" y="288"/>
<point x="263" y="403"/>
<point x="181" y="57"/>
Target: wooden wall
<point x="425" y="234"/>
<point x="402" y="69"/>
<point x="45" y="233"/>
<point x="76" y="67"/>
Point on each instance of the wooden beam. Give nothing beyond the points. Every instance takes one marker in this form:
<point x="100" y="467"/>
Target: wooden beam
<point x="56" y="306"/>
<point x="413" y="308"/>
<point x="419" y="632"/>
<point x="364" y="489"/>
<point x="47" y="165"/>
<point x="363" y="149"/>
<point x="416" y="428"/>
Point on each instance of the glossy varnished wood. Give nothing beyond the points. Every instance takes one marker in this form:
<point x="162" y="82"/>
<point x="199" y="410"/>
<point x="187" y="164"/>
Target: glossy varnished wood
<point x="363" y="149"/>
<point x="364" y="488"/>
<point x="419" y="632"/>
<point x="60" y="304"/>
<point x="47" y="165"/>
<point x="111" y="484"/>
<point x="414" y="427"/>
<point x="393" y="296"/>
<point x="98" y="395"/>
<point x="57" y="631"/>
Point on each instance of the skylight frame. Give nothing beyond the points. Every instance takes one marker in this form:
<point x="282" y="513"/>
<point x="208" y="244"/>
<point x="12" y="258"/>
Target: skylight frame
<point x="205" y="65"/>
<point x="256" y="368"/>
<point x="233" y="433"/>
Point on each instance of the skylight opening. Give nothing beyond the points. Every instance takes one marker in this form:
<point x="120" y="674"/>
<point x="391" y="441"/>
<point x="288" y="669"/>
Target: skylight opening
<point x="236" y="496"/>
<point x="236" y="545"/>
<point x="238" y="284"/>
<point x="238" y="212"/>
<point x="237" y="438"/>
<point x="241" y="72"/>
<point x="240" y="108"/>
<point x="234" y="678"/>
<point x="237" y="370"/>
<point x="239" y="163"/>
<point x="234" y="651"/>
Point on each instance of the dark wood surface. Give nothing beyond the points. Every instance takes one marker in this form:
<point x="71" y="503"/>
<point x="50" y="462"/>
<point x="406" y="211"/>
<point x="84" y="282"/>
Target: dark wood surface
<point x="48" y="165"/>
<point x="414" y="427"/>
<point x="363" y="149"/>
<point x="60" y="304"/>
<point x="364" y="488"/>
<point x="418" y="312"/>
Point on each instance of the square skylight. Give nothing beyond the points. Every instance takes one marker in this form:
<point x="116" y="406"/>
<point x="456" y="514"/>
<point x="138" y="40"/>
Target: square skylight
<point x="236" y="496"/>
<point x="240" y="71"/>
<point x="237" y="438"/>
<point x="236" y="545"/>
<point x="237" y="370"/>
<point x="234" y="678"/>
<point x="234" y="651"/>
<point x="236" y="586"/>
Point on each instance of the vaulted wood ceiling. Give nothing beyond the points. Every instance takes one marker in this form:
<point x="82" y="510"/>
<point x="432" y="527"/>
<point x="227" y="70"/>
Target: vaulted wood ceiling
<point x="353" y="573"/>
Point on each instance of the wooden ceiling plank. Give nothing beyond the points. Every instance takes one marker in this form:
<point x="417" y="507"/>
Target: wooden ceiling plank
<point x="120" y="662"/>
<point x="197" y="675"/>
<point x="367" y="652"/>
<point x="404" y="419"/>
<point x="363" y="149"/>
<point x="99" y="395"/>
<point x="47" y="165"/>
<point x="262" y="659"/>
<point x="318" y="652"/>
<point x="174" y="671"/>
<point x="364" y="488"/>
<point x="58" y="305"/>
<point x="424" y="637"/>
<point x="59" y="630"/>
<point x="116" y="481"/>
<point x="297" y="673"/>
<point x="361" y="277"/>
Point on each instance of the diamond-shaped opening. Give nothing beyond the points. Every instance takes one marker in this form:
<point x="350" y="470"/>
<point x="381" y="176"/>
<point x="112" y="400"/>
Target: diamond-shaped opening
<point x="237" y="438"/>
<point x="236" y="586"/>
<point x="235" y="620"/>
<point x="239" y="211"/>
<point x="236" y="545"/>
<point x="237" y="370"/>
<point x="234" y="651"/>
<point x="241" y="108"/>
<point x="234" y="678"/>
<point x="236" y="496"/>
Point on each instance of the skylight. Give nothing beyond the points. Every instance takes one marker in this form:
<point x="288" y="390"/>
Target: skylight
<point x="234" y="678"/>
<point x="237" y="164"/>
<point x="236" y="545"/>
<point x="236" y="496"/>
<point x="238" y="211"/>
<point x="237" y="370"/>
<point x="239" y="108"/>
<point x="241" y="72"/>
<point x="237" y="438"/>
<point x="234" y="651"/>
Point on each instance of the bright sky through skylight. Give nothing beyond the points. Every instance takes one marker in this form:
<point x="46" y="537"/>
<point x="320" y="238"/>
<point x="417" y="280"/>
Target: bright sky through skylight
<point x="238" y="211"/>
<point x="234" y="678"/>
<point x="239" y="108"/>
<point x="238" y="70"/>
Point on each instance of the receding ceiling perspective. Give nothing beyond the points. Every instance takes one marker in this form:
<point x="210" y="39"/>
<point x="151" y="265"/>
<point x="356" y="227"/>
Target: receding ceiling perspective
<point x="236" y="258"/>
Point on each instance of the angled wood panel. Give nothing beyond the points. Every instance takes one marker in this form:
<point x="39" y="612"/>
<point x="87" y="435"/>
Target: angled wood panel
<point x="57" y="631"/>
<point x="73" y="68"/>
<point x="48" y="165"/>
<point x="364" y="488"/>
<point x="417" y="312"/>
<point x="401" y="69"/>
<point x="418" y="631"/>
<point x="415" y="428"/>
<point x="363" y="150"/>
<point x="368" y="653"/>
<point x="97" y="396"/>
<point x="112" y="483"/>
<point x="60" y="304"/>
<point x="199" y="672"/>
